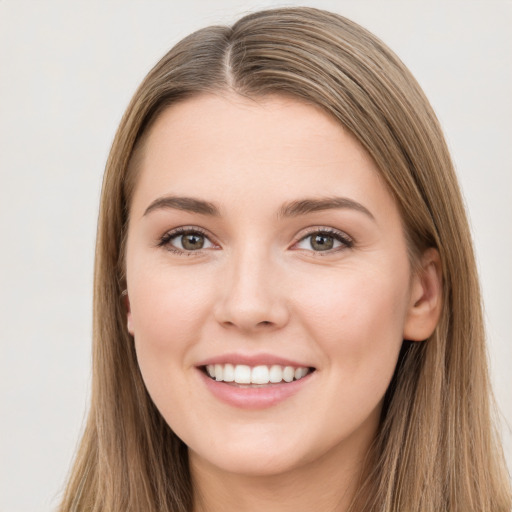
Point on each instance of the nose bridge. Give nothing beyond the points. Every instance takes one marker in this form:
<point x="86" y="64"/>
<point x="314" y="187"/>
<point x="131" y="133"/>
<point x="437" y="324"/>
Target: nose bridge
<point x="251" y="296"/>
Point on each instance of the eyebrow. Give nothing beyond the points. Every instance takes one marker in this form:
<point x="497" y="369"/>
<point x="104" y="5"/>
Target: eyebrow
<point x="188" y="204"/>
<point x="291" y="209"/>
<point x="305" y="206"/>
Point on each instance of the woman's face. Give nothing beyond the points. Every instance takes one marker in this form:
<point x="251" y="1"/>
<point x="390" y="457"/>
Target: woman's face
<point x="263" y="248"/>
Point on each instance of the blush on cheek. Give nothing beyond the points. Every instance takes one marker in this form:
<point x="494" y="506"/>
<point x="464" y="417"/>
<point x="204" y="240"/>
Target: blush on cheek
<point x="360" y="320"/>
<point x="166" y="307"/>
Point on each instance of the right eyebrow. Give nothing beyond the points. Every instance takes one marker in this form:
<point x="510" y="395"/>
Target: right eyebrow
<point x="310" y="205"/>
<point x="188" y="204"/>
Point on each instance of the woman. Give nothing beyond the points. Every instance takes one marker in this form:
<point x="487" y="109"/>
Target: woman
<point x="287" y="311"/>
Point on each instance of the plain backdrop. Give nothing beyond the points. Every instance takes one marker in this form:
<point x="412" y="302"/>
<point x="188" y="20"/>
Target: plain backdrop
<point x="67" y="72"/>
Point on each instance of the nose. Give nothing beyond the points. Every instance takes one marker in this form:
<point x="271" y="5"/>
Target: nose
<point x="252" y="297"/>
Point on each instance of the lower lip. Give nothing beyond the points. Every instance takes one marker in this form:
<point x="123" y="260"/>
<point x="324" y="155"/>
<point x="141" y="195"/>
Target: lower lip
<point x="252" y="397"/>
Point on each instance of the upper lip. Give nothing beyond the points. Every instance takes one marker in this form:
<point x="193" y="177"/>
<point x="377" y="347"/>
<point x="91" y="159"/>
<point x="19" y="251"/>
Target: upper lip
<point x="252" y="360"/>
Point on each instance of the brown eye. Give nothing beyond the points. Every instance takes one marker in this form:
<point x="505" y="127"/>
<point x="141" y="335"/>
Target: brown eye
<point x="192" y="241"/>
<point x="322" y="242"/>
<point x="183" y="241"/>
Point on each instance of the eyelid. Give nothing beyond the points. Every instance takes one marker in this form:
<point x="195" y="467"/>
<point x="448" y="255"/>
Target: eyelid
<point x="165" y="240"/>
<point x="346" y="240"/>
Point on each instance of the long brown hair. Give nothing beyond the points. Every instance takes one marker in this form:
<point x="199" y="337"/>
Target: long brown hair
<point x="436" y="449"/>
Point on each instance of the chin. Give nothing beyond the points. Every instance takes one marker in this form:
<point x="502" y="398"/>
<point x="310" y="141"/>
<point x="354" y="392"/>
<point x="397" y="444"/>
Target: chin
<point x="250" y="462"/>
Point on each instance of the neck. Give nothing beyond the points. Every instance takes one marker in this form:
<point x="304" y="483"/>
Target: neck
<point x="326" y="485"/>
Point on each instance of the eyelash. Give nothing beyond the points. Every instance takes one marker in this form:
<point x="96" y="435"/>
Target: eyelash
<point x="345" y="241"/>
<point x="165" y="241"/>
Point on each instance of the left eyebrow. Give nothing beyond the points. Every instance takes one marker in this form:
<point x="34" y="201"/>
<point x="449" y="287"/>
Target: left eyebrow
<point x="310" y="205"/>
<point x="188" y="204"/>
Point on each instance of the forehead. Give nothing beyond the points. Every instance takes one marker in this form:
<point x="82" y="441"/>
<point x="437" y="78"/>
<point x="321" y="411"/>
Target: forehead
<point x="260" y="125"/>
<point x="228" y="147"/>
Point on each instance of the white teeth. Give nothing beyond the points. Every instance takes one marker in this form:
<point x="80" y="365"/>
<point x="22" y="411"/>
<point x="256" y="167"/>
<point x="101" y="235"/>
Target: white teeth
<point x="242" y="374"/>
<point x="262" y="374"/>
<point x="276" y="373"/>
<point x="219" y="372"/>
<point x="300" y="372"/>
<point x="288" y="373"/>
<point x="229" y="373"/>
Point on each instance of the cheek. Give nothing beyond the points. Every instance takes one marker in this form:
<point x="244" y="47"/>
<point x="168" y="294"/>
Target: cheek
<point x="357" y="319"/>
<point x="168" y="309"/>
<point x="357" y="327"/>
<point x="168" y="306"/>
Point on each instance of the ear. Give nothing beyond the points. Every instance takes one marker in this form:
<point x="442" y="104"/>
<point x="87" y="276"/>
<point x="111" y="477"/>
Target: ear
<point x="126" y="301"/>
<point x="426" y="298"/>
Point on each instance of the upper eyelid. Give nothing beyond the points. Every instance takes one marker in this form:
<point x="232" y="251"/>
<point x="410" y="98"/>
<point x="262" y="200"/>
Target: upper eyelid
<point x="304" y="233"/>
<point x="346" y="241"/>
<point x="322" y="229"/>
<point x="182" y="230"/>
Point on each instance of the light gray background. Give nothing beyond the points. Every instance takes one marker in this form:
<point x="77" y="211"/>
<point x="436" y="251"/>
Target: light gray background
<point x="67" y="72"/>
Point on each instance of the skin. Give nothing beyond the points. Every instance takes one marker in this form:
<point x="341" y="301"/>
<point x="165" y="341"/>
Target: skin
<point x="258" y="286"/>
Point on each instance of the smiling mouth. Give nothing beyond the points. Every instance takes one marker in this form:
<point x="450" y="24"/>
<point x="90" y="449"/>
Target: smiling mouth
<point x="242" y="374"/>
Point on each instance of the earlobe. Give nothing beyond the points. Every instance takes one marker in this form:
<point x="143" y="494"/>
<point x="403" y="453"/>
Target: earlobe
<point x="126" y="301"/>
<point x="426" y="298"/>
